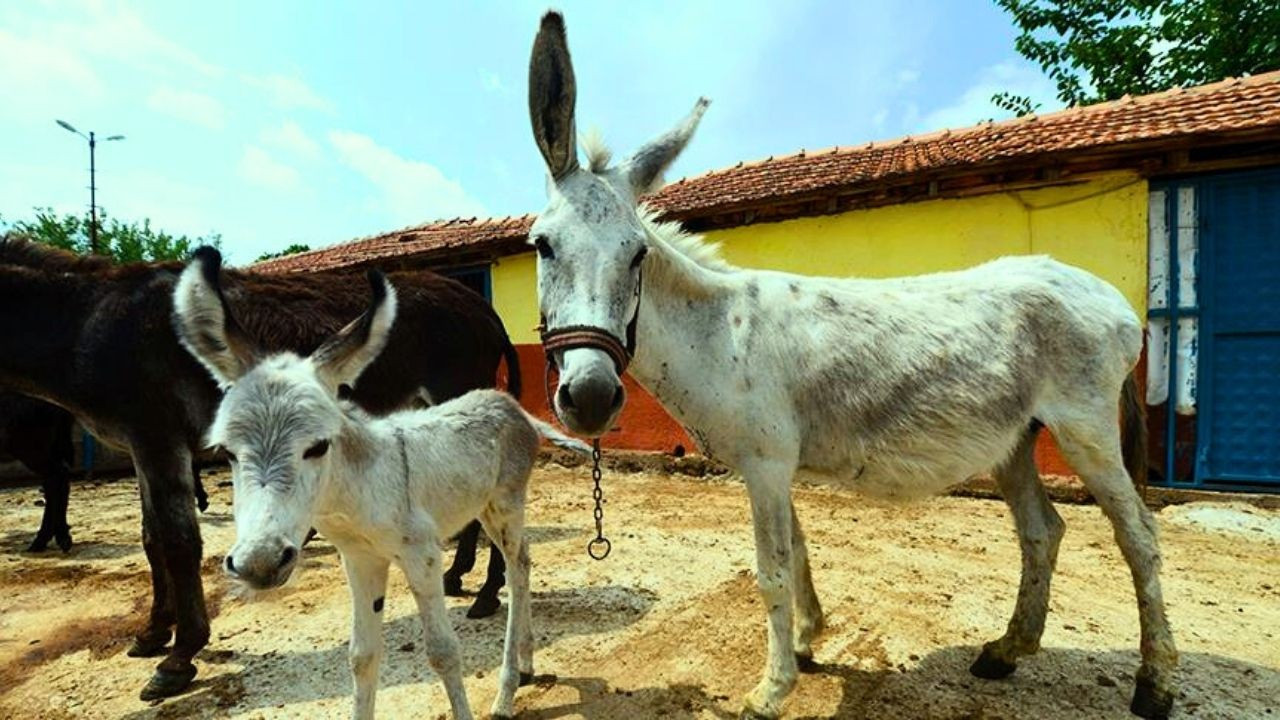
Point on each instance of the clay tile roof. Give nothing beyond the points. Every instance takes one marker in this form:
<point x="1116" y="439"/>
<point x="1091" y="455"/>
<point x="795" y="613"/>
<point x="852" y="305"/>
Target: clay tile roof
<point x="431" y="238"/>
<point x="1230" y="106"/>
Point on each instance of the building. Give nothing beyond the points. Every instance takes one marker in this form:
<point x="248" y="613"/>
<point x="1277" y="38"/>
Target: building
<point x="1182" y="185"/>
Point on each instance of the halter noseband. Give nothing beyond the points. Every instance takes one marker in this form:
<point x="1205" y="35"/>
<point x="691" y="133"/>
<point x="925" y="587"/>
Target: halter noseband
<point x="572" y="337"/>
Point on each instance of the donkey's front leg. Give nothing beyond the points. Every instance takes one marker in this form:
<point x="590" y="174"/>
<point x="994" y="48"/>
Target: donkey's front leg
<point x="173" y="536"/>
<point x="809" y="619"/>
<point x="770" y="492"/>
<point x="421" y="565"/>
<point x="367" y="580"/>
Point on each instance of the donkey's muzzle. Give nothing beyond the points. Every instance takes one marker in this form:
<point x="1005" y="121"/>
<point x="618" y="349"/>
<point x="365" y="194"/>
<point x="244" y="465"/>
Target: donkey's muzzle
<point x="589" y="404"/>
<point x="263" y="566"/>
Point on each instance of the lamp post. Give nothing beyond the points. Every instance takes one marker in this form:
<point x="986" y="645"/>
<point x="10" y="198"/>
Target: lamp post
<point x="93" y="188"/>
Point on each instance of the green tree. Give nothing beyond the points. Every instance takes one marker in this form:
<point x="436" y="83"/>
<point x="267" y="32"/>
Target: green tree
<point x="293" y="249"/>
<point x="1097" y="50"/>
<point x="122" y="241"/>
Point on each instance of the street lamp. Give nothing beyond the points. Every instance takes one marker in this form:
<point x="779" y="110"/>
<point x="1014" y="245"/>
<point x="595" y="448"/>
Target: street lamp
<point x="93" y="188"/>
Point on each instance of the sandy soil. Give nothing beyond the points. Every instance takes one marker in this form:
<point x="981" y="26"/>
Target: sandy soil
<point x="670" y="625"/>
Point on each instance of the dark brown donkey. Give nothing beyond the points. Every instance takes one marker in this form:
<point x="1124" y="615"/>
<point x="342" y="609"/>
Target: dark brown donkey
<point x="97" y="339"/>
<point x="38" y="435"/>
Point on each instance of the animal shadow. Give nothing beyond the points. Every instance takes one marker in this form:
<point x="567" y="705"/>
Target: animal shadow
<point x="556" y="614"/>
<point x="1054" y="683"/>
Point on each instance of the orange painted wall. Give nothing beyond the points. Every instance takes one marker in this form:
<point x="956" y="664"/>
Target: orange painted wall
<point x="644" y="424"/>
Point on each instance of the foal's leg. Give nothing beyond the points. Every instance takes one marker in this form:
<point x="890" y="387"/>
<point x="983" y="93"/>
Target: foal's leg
<point x="507" y="533"/>
<point x="367" y="581"/>
<point x="809" y="619"/>
<point x="1040" y="531"/>
<point x="421" y="564"/>
<point x="464" y="558"/>
<point x="769" y="487"/>
<point x="1093" y="448"/>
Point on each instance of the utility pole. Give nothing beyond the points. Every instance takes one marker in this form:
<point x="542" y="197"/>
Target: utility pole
<point x="93" y="185"/>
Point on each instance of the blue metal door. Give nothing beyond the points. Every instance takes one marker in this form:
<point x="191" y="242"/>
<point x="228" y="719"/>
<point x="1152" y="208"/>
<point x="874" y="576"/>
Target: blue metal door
<point x="1239" y="379"/>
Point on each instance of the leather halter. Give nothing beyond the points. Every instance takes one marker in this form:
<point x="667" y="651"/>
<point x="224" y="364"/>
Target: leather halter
<point x="571" y="337"/>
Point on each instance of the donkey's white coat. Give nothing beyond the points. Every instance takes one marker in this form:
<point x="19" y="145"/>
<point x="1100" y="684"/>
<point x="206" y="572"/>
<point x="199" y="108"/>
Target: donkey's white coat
<point x="896" y="387"/>
<point x="385" y="489"/>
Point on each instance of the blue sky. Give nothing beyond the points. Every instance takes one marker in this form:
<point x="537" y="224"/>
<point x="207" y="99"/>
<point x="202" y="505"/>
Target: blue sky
<point x="281" y="122"/>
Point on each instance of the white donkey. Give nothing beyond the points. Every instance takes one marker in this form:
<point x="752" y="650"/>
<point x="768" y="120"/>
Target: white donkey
<point x="896" y="387"/>
<point x="381" y="489"/>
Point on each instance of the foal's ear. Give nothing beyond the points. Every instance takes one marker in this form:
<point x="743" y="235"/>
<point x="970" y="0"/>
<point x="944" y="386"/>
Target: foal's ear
<point x="204" y="323"/>
<point x="552" y="94"/>
<point x="644" y="169"/>
<point x="342" y="358"/>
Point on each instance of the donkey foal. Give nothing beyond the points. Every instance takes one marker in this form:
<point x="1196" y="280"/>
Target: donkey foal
<point x="381" y="489"/>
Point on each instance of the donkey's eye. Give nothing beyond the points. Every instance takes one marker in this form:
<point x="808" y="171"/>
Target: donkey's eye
<point x="639" y="258"/>
<point x="544" y="248"/>
<point x="317" y="450"/>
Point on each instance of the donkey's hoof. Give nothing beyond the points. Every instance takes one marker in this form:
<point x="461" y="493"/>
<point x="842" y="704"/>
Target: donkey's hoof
<point x="40" y="544"/>
<point x="483" y="607"/>
<point x="149" y="645"/>
<point x="453" y="586"/>
<point x="167" y="683"/>
<point x="63" y="539"/>
<point x="806" y="664"/>
<point x="749" y="714"/>
<point x="1151" y="702"/>
<point x="990" y="667"/>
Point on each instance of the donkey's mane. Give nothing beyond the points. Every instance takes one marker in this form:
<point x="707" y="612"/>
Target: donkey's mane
<point x="694" y="247"/>
<point x="598" y="154"/>
<point x="21" y="250"/>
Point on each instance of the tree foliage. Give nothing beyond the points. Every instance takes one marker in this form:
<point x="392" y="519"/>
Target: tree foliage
<point x="120" y="240"/>
<point x="293" y="249"/>
<point x="1096" y="50"/>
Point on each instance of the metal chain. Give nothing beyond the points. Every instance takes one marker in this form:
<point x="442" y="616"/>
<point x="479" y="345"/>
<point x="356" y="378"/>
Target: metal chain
<point x="598" y="548"/>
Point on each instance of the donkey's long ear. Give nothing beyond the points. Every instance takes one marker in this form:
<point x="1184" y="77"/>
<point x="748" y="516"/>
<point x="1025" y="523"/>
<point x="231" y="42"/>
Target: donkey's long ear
<point x="204" y="322"/>
<point x="644" y="169"/>
<point x="342" y="358"/>
<point x="552" y="94"/>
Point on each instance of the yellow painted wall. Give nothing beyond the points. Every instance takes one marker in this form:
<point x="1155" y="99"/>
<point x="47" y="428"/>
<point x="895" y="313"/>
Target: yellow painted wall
<point x="1100" y="226"/>
<point x="515" y="296"/>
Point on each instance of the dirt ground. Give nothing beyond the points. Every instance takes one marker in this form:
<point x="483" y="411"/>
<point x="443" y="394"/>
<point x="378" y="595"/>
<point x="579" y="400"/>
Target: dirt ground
<point x="670" y="625"/>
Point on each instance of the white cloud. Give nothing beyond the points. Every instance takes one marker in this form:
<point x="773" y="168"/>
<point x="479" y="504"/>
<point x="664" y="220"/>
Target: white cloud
<point x="190" y="106"/>
<point x="975" y="106"/>
<point x="258" y="167"/>
<point x="288" y="92"/>
<point x="907" y="76"/>
<point x="291" y="138"/>
<point x="114" y="32"/>
<point x="37" y="78"/>
<point x="411" y="191"/>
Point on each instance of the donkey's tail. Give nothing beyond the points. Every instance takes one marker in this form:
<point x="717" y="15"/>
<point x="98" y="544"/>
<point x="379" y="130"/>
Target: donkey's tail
<point x="513" y="367"/>
<point x="557" y="438"/>
<point x="1133" y="431"/>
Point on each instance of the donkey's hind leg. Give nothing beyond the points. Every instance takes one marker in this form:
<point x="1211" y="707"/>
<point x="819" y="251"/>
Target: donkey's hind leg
<point x="1040" y="531"/>
<point x="421" y="565"/>
<point x="464" y="558"/>
<point x="1091" y="444"/>
<point x="808" y="617"/>
<point x="506" y="531"/>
